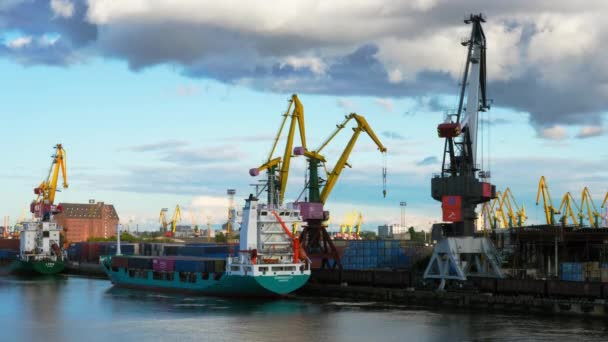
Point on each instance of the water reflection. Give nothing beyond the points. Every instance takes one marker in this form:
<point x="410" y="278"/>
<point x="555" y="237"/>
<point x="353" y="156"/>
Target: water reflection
<point x="76" y="309"/>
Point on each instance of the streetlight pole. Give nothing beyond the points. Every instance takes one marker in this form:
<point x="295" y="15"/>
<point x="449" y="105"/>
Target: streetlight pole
<point x="403" y="204"/>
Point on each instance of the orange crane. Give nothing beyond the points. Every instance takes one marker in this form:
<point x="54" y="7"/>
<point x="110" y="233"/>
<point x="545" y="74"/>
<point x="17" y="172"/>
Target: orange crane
<point x="278" y="183"/>
<point x="592" y="214"/>
<point x="550" y="210"/>
<point x="44" y="204"/>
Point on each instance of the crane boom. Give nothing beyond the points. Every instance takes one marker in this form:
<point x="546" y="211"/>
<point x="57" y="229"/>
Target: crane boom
<point x="334" y="175"/>
<point x="43" y="205"/>
<point x="297" y="117"/>
<point x="566" y="208"/>
<point x="163" y="220"/>
<point x="592" y="214"/>
<point x="550" y="210"/>
<point x="177" y="216"/>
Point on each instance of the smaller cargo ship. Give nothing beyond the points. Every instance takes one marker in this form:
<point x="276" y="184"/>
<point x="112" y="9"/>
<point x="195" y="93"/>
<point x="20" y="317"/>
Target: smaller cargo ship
<point x="39" y="249"/>
<point x="269" y="261"/>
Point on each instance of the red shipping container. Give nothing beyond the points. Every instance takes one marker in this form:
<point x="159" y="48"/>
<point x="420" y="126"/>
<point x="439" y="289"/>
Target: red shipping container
<point x="10" y="244"/>
<point x="451" y="206"/>
<point x="94" y="252"/>
<point x="486" y="190"/>
<point x="163" y="265"/>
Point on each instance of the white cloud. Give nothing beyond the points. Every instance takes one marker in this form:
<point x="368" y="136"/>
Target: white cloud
<point x="590" y="131"/>
<point x="387" y="104"/>
<point x="47" y="40"/>
<point x="20" y="42"/>
<point x="345" y="104"/>
<point x="556" y="132"/>
<point x="62" y="8"/>
<point x="316" y="65"/>
<point x="187" y="90"/>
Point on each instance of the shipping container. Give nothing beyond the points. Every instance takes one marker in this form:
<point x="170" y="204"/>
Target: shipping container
<point x="120" y="262"/>
<point x="189" y="265"/>
<point x="604" y="275"/>
<point x="144" y="263"/>
<point x="163" y="265"/>
<point x="10" y="244"/>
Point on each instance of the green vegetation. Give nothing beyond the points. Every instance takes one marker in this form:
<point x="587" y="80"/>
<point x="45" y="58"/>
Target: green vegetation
<point x="220" y="237"/>
<point x="368" y="235"/>
<point x="417" y="236"/>
<point x="126" y="237"/>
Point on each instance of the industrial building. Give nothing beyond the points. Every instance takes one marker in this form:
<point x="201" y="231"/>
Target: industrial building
<point x="83" y="221"/>
<point x="393" y="231"/>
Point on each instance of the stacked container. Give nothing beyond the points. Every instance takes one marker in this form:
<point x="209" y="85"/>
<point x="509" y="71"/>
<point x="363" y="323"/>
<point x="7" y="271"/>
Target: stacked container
<point x="571" y="271"/>
<point x="371" y="254"/>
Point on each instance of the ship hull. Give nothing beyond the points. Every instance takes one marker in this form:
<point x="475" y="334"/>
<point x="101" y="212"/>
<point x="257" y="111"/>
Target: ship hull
<point x="213" y="284"/>
<point x="44" y="267"/>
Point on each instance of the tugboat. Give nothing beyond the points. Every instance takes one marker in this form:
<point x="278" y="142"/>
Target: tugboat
<point x="269" y="261"/>
<point x="40" y="250"/>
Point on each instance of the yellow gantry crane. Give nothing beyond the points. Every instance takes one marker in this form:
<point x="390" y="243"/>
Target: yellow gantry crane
<point x="550" y="210"/>
<point x="358" y="224"/>
<point x="163" y="220"/>
<point x="43" y="206"/>
<point x="315" y="157"/>
<point x="350" y="219"/>
<point x="593" y="215"/>
<point x="177" y="216"/>
<point x="512" y="218"/>
<point x="295" y="111"/>
<point x="566" y="208"/>
<point x="492" y="217"/>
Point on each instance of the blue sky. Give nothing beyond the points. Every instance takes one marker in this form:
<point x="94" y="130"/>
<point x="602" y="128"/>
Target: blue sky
<point x="146" y="128"/>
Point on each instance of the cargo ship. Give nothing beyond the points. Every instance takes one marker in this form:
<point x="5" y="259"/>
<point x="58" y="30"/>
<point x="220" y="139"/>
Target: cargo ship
<point x="39" y="251"/>
<point x="268" y="263"/>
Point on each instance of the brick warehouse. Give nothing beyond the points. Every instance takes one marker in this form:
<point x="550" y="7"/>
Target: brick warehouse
<point x="83" y="221"/>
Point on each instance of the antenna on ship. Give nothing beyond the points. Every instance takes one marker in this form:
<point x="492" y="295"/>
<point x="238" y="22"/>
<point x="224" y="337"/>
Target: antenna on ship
<point x="118" y="240"/>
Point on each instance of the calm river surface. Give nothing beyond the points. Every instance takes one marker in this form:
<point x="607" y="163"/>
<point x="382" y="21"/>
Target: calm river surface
<point x="68" y="308"/>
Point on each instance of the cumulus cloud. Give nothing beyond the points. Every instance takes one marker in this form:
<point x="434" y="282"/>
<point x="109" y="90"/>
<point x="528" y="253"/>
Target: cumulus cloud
<point x="158" y="146"/>
<point x="396" y="49"/>
<point x="62" y="8"/>
<point x="187" y="90"/>
<point x="387" y="104"/>
<point x="345" y="104"/>
<point x="20" y="42"/>
<point x="393" y="135"/>
<point x="430" y="160"/>
<point x="590" y="131"/>
<point x="556" y="132"/>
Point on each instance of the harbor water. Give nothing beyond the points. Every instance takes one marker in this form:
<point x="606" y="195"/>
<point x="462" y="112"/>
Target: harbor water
<point x="69" y="308"/>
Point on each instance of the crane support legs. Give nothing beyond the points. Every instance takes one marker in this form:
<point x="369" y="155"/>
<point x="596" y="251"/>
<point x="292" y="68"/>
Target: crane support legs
<point x="317" y="243"/>
<point x="457" y="258"/>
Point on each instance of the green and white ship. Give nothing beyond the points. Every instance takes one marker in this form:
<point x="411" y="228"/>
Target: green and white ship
<point x="269" y="261"/>
<point x="39" y="250"/>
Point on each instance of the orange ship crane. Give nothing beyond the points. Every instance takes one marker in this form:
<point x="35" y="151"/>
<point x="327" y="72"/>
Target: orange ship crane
<point x="44" y="204"/>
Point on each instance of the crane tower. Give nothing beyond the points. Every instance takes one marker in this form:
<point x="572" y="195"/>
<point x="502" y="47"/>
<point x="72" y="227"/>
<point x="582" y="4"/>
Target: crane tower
<point x="461" y="185"/>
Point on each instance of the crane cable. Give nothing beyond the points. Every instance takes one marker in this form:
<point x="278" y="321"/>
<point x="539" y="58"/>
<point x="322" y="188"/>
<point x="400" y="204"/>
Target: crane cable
<point x="384" y="163"/>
